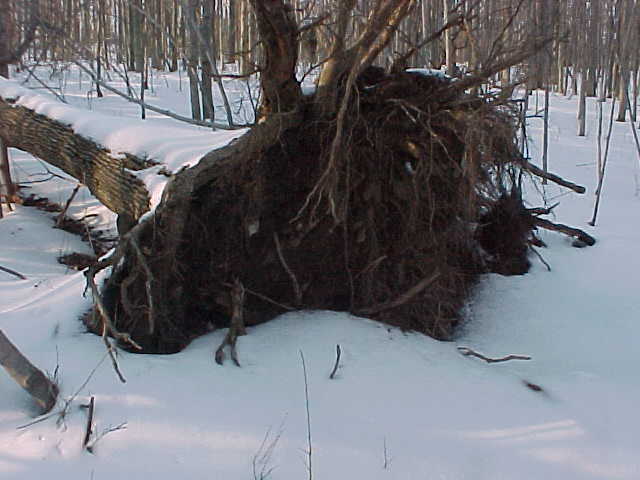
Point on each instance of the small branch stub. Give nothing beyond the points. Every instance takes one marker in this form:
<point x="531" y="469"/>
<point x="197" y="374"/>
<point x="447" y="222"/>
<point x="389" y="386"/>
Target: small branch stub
<point x="89" y="429"/>
<point x="335" y="367"/>
<point x="467" y="352"/>
<point x="13" y="272"/>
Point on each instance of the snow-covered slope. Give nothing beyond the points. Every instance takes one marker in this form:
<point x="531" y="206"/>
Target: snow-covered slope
<point x="402" y="406"/>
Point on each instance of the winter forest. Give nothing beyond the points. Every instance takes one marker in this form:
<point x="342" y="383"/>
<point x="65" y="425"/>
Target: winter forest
<point x="305" y="239"/>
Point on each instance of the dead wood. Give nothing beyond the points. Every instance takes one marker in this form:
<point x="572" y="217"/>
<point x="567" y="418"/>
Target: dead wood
<point x="570" y="231"/>
<point x="337" y="364"/>
<point x="466" y="351"/>
<point x="88" y="431"/>
<point x="36" y="383"/>
<point x="107" y="177"/>
<point x="537" y="171"/>
<point x="13" y="272"/>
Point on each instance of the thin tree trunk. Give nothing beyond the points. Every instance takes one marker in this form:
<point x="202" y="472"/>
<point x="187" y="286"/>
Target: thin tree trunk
<point x="582" y="105"/>
<point x="190" y="20"/>
<point x="545" y="140"/>
<point x="206" y="55"/>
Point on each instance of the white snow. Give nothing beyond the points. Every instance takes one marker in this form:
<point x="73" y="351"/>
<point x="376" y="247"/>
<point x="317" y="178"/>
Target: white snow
<point x="402" y="406"/>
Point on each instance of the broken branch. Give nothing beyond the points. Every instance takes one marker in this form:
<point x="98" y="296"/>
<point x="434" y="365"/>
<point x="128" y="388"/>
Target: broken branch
<point x="89" y="429"/>
<point x="13" y="272"/>
<point x="570" y="231"/>
<point x="538" y="172"/>
<point x="335" y="367"/>
<point x="467" y="352"/>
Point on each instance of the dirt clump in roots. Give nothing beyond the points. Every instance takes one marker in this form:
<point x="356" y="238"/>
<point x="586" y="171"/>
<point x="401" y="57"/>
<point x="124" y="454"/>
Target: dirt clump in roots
<point x="397" y="228"/>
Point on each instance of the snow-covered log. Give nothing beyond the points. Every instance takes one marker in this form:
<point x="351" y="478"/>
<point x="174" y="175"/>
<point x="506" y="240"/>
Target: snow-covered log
<point x="109" y="177"/>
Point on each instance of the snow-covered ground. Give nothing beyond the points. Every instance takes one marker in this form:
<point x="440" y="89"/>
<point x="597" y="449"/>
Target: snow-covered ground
<point x="402" y="406"/>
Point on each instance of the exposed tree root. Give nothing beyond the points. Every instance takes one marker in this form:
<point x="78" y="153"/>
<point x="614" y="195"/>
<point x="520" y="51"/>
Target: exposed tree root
<point x="237" y="327"/>
<point x="422" y="197"/>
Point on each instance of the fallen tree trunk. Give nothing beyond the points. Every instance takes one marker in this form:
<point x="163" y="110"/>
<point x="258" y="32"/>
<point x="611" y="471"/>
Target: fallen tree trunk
<point x="108" y="177"/>
<point x="36" y="383"/>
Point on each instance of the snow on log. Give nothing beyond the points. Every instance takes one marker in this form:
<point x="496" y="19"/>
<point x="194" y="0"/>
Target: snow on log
<point x="108" y="177"/>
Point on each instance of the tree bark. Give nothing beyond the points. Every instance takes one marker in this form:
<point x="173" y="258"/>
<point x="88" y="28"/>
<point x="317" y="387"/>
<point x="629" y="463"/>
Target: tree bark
<point x="106" y="176"/>
<point x="36" y="383"/>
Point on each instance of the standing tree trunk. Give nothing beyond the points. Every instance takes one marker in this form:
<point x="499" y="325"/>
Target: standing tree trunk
<point x="193" y="56"/>
<point x="206" y="56"/>
<point x="7" y="187"/>
<point x="582" y="105"/>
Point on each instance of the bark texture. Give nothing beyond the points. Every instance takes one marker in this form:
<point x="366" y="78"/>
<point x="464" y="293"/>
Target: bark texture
<point x="36" y="383"/>
<point x="109" y="178"/>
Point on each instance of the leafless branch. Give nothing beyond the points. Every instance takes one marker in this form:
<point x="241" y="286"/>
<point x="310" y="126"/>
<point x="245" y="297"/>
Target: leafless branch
<point x="466" y="351"/>
<point x="537" y="171"/>
<point x="89" y="428"/>
<point x="335" y="367"/>
<point x="13" y="272"/>
<point x="63" y="213"/>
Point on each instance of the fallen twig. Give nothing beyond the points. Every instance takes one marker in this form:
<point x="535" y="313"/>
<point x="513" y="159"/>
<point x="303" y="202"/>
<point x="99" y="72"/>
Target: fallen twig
<point x="89" y="429"/>
<point x="467" y="352"/>
<point x="533" y="386"/>
<point x="540" y="257"/>
<point x="335" y="367"/>
<point x="91" y="446"/>
<point x="67" y="403"/>
<point x="13" y="272"/>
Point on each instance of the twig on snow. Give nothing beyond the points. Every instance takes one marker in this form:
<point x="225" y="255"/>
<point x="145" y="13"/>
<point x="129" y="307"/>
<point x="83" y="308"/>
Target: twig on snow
<point x="91" y="446"/>
<point x="13" y="272"/>
<point x="335" y="367"/>
<point x="466" y="351"/>
<point x="309" y="451"/>
<point x="540" y="257"/>
<point x="89" y="429"/>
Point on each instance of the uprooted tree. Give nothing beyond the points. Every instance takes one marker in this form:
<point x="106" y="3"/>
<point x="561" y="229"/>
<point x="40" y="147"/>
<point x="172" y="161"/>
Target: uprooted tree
<point x="384" y="193"/>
